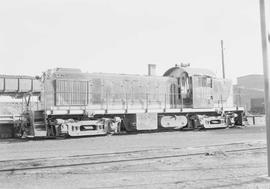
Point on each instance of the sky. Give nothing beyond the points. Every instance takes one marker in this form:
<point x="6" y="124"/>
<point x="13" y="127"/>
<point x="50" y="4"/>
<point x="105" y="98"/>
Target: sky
<point x="123" y="36"/>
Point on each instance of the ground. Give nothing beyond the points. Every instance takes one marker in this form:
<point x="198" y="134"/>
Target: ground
<point x="223" y="158"/>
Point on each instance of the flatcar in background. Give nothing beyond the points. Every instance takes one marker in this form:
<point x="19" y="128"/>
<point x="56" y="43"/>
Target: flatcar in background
<point x="74" y="103"/>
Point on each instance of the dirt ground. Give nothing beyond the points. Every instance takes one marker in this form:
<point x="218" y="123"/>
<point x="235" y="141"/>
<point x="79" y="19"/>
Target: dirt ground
<point x="224" y="158"/>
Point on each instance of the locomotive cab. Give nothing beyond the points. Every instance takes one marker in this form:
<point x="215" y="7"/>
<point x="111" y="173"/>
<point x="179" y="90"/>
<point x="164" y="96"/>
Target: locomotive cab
<point x="194" y="87"/>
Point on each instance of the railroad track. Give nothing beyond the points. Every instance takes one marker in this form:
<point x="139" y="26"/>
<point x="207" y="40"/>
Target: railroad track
<point x="173" y="184"/>
<point x="117" y="157"/>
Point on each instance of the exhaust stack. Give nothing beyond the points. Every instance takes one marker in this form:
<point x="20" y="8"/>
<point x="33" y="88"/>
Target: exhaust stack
<point x="152" y="69"/>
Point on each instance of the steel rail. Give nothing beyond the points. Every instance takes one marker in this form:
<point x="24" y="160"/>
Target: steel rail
<point x="123" y="152"/>
<point x="123" y="160"/>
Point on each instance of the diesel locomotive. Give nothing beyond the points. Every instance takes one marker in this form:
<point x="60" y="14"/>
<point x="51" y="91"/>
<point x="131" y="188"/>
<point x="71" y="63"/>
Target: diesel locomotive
<point x="74" y="103"/>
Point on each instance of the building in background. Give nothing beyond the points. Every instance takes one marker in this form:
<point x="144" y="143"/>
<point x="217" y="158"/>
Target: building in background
<point x="249" y="93"/>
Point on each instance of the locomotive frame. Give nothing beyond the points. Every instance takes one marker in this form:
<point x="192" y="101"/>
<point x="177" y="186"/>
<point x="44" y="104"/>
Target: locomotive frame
<point x="83" y="104"/>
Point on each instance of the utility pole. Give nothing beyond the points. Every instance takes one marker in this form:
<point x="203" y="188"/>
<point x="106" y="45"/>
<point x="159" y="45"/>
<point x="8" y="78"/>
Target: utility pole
<point x="266" y="71"/>
<point x="222" y="59"/>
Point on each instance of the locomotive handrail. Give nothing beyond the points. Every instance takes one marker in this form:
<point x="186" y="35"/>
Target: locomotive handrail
<point x="118" y="101"/>
<point x="122" y="101"/>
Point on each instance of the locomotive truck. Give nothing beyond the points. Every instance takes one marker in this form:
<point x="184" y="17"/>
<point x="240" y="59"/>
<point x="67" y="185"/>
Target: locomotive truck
<point x="74" y="103"/>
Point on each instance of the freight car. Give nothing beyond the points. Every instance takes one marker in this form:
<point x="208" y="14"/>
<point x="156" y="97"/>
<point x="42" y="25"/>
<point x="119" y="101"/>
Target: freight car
<point x="74" y="103"/>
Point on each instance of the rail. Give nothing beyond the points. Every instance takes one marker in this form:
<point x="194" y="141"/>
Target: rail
<point x="109" y="158"/>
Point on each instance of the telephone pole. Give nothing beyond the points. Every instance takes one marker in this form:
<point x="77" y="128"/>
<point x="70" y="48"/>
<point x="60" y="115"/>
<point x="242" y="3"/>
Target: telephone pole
<point x="266" y="71"/>
<point x="222" y="59"/>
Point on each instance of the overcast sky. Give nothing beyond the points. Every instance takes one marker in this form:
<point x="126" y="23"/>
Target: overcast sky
<point x="123" y="36"/>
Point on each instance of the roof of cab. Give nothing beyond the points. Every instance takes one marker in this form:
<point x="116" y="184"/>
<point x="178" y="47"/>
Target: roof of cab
<point x="190" y="71"/>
